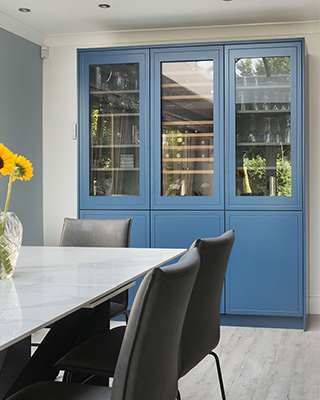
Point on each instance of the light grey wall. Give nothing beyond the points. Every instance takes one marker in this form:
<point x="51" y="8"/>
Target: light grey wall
<point x="21" y="128"/>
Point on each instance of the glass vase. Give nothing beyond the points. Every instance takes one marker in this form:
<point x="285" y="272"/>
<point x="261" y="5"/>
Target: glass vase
<point x="10" y="243"/>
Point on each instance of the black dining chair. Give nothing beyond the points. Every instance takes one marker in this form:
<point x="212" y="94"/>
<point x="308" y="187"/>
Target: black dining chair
<point x="201" y="329"/>
<point x="100" y="233"/>
<point x="147" y="367"/>
<point x="201" y="332"/>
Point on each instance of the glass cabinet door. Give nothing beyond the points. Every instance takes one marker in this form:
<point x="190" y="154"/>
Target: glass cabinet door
<point x="114" y="130"/>
<point x="264" y="137"/>
<point x="187" y="128"/>
<point x="115" y="125"/>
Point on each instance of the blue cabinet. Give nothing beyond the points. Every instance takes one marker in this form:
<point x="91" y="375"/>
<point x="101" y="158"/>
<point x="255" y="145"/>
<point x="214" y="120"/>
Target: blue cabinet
<point x="265" y="273"/>
<point x="193" y="140"/>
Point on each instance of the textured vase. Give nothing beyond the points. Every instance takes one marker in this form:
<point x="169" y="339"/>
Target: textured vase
<point x="10" y="243"/>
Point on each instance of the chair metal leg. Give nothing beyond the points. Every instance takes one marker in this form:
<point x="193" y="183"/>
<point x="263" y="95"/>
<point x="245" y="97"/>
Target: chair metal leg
<point x="219" y="374"/>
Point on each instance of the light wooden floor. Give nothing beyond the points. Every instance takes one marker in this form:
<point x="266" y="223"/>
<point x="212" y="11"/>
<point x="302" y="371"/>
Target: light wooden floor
<point x="260" y="364"/>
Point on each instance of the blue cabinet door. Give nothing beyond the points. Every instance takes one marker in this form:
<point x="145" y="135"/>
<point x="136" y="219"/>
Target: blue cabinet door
<point x="265" y="274"/>
<point x="179" y="229"/>
<point x="264" y="126"/>
<point x="114" y="129"/>
<point x="187" y="128"/>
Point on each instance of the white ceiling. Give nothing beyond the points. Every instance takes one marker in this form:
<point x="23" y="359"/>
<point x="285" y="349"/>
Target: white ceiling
<point x="50" y="17"/>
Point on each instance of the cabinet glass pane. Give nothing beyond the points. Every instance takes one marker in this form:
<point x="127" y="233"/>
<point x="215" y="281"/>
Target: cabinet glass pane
<point x="187" y="128"/>
<point x="114" y="130"/>
<point x="263" y="127"/>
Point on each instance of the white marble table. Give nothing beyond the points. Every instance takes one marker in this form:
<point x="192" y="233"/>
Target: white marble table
<point x="61" y="285"/>
<point x="51" y="282"/>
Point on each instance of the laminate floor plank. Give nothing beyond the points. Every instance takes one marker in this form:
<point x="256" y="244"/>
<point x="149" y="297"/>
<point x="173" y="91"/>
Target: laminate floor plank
<point x="260" y="364"/>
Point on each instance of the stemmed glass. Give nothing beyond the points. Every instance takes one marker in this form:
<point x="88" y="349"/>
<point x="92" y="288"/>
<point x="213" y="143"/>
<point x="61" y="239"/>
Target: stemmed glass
<point x="252" y="136"/>
<point x="267" y="130"/>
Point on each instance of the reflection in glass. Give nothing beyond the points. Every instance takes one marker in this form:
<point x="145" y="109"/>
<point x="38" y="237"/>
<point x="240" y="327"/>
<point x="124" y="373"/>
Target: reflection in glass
<point x="114" y="130"/>
<point x="187" y="128"/>
<point x="263" y="126"/>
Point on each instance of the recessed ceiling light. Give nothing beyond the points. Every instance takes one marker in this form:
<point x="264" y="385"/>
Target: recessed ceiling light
<point x="226" y="0"/>
<point x="104" y="5"/>
<point x="24" y="10"/>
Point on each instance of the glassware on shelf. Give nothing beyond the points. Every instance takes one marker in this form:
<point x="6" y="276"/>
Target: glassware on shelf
<point x="262" y="142"/>
<point x="114" y="126"/>
<point x="278" y="136"/>
<point x="287" y="131"/>
<point x="256" y="104"/>
<point x="252" y="136"/>
<point x="267" y="102"/>
<point x="267" y="130"/>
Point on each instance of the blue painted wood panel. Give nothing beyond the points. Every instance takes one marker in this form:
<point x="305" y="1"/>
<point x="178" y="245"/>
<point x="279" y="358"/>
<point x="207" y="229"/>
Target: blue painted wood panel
<point x="175" y="54"/>
<point x="265" y="274"/>
<point x="101" y="57"/>
<point x="262" y="50"/>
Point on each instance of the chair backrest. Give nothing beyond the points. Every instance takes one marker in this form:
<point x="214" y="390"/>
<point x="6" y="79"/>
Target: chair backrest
<point x="147" y="367"/>
<point x="96" y="232"/>
<point x="201" y="330"/>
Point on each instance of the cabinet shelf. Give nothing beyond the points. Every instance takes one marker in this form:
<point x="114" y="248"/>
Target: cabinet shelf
<point x="195" y="147"/>
<point x="263" y="111"/>
<point x="188" y="172"/>
<point x="104" y="92"/>
<point x="177" y="123"/>
<point x="115" y="169"/>
<point x="119" y="115"/>
<point x="188" y="97"/>
<point x="188" y="135"/>
<point x="187" y="85"/>
<point x="182" y="159"/>
<point x="263" y="87"/>
<point x="267" y="168"/>
<point x="263" y="144"/>
<point x="114" y="146"/>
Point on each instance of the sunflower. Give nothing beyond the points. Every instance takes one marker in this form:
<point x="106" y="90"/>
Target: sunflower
<point x="6" y="161"/>
<point x="23" y="169"/>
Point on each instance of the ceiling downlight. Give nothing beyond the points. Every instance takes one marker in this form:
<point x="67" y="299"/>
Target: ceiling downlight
<point x="24" y="9"/>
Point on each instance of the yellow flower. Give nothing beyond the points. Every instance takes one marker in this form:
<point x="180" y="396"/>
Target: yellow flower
<point x="6" y="160"/>
<point x="23" y="169"/>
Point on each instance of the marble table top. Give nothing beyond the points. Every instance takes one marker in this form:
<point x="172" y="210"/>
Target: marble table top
<point x="51" y="282"/>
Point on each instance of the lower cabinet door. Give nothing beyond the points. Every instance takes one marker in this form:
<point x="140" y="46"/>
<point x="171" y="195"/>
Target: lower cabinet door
<point x="179" y="229"/>
<point x="265" y="272"/>
<point x="140" y="232"/>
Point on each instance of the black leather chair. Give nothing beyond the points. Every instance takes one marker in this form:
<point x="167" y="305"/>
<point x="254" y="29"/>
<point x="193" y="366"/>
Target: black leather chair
<point x="201" y="332"/>
<point x="147" y="367"/>
<point x="100" y="233"/>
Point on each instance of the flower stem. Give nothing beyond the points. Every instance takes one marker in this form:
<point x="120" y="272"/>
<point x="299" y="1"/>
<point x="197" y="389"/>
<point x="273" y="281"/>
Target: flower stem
<point x="7" y="201"/>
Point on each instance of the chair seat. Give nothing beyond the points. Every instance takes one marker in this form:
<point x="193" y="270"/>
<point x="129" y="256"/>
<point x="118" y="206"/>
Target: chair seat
<point x="62" y="391"/>
<point x="97" y="356"/>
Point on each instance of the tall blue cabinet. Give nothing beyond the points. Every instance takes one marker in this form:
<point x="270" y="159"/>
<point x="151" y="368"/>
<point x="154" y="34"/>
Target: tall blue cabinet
<point x="193" y="140"/>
